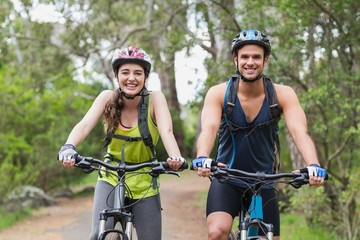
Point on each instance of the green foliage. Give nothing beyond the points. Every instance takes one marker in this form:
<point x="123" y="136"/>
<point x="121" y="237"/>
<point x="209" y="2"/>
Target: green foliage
<point x="304" y="201"/>
<point x="8" y="219"/>
<point x="34" y="126"/>
<point x="315" y="50"/>
<point x="294" y="226"/>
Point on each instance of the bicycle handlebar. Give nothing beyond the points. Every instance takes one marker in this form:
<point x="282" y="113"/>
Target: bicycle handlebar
<point x="86" y="163"/>
<point x="298" y="178"/>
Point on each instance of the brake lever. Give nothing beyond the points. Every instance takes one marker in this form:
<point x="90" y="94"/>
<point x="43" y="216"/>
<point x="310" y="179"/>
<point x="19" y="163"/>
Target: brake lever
<point x="299" y="181"/>
<point x="173" y="173"/>
<point x="84" y="164"/>
<point x="158" y="172"/>
<point x="221" y="175"/>
<point x="89" y="170"/>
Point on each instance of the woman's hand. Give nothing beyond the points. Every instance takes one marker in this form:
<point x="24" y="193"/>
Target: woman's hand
<point x="66" y="155"/>
<point x="175" y="162"/>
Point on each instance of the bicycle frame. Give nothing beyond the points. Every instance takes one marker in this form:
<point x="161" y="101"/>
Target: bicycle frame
<point x="119" y="211"/>
<point x="249" y="229"/>
<point x="249" y="226"/>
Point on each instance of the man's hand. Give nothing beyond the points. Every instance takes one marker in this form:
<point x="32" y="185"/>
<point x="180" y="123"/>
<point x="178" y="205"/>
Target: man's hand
<point x="201" y="162"/>
<point x="203" y="165"/>
<point x="316" y="174"/>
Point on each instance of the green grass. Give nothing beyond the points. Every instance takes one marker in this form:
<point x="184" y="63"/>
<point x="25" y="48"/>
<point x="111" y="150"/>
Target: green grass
<point x="294" y="227"/>
<point x="9" y="219"/>
<point x="89" y="180"/>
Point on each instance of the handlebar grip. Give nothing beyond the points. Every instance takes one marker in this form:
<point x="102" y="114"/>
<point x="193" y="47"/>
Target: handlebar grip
<point x="77" y="158"/>
<point x="183" y="166"/>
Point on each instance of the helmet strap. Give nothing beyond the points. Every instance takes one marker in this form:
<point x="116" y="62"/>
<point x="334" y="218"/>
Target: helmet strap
<point x="143" y="92"/>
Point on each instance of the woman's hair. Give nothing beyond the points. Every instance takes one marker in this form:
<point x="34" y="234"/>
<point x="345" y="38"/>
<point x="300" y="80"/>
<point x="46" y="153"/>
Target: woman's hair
<point x="112" y="116"/>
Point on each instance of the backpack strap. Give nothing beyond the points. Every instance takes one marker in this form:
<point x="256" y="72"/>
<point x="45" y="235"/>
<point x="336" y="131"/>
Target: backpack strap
<point x="143" y="123"/>
<point x="229" y="100"/>
<point x="271" y="96"/>
<point x="144" y="129"/>
<point x="275" y="111"/>
<point x="229" y="105"/>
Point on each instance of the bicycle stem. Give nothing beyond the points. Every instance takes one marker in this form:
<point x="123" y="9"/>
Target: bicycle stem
<point x="119" y="195"/>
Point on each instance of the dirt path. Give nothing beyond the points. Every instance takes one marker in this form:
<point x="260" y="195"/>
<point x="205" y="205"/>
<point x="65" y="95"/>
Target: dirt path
<point x="183" y="214"/>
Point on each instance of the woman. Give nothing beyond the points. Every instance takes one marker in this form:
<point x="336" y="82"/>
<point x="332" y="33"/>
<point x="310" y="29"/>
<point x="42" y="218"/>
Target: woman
<point x="131" y="66"/>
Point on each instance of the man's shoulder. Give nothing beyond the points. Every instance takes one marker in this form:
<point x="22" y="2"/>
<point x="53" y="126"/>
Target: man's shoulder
<point x="280" y="88"/>
<point x="218" y="89"/>
<point x="219" y="86"/>
<point x="284" y="93"/>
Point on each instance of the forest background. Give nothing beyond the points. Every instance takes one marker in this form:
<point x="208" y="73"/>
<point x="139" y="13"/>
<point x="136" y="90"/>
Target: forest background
<point x="51" y="70"/>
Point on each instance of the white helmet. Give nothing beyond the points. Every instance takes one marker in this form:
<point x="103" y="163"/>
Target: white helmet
<point x="131" y="54"/>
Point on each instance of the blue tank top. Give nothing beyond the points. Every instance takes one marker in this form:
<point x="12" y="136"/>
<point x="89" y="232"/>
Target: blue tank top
<point x="255" y="141"/>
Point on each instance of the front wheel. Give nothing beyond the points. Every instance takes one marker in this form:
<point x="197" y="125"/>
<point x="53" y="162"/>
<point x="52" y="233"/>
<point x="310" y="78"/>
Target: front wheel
<point x="232" y="235"/>
<point x="113" y="235"/>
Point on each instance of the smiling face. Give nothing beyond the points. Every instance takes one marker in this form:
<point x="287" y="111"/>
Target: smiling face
<point x="250" y="60"/>
<point x="131" y="78"/>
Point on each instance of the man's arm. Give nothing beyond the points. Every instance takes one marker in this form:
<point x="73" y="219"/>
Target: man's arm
<point x="296" y="123"/>
<point x="210" y="121"/>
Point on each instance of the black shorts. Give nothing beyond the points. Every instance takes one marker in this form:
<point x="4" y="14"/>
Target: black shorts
<point x="231" y="199"/>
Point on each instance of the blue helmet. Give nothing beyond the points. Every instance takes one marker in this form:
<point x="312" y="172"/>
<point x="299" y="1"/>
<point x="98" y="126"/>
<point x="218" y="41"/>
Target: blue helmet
<point x="250" y="37"/>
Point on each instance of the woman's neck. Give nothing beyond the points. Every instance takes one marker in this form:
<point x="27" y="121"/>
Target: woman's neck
<point x="131" y="103"/>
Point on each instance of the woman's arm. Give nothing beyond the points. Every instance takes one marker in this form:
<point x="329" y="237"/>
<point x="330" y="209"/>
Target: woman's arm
<point x="83" y="128"/>
<point x="163" y="120"/>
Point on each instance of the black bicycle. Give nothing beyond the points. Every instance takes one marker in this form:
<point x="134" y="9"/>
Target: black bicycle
<point x="251" y="220"/>
<point x="123" y="217"/>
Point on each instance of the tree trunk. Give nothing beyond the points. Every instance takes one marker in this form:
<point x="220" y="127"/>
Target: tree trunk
<point x="166" y="71"/>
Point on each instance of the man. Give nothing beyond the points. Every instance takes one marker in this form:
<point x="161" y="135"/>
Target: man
<point x="250" y="143"/>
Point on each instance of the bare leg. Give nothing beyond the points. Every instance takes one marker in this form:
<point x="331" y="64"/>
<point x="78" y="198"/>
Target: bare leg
<point x="219" y="225"/>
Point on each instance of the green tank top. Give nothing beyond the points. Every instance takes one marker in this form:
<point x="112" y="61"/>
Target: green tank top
<point x="139" y="185"/>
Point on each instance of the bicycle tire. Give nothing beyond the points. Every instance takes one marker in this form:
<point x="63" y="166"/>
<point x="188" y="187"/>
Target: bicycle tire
<point x="114" y="236"/>
<point x="257" y="238"/>
<point x="232" y="235"/>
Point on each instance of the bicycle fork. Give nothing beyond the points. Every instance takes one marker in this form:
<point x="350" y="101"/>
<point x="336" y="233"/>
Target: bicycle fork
<point x="126" y="218"/>
<point x="117" y="213"/>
